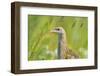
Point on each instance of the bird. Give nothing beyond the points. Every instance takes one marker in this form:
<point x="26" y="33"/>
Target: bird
<point x="64" y="52"/>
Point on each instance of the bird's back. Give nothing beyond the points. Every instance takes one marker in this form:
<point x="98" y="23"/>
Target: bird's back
<point x="69" y="54"/>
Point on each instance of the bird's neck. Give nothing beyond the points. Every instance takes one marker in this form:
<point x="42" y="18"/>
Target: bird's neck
<point x="63" y="39"/>
<point x="62" y="44"/>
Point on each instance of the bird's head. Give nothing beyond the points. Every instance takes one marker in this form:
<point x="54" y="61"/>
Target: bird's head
<point x="58" y="30"/>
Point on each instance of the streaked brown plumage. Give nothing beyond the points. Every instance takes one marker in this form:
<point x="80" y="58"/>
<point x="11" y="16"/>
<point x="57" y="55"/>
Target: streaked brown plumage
<point x="65" y="53"/>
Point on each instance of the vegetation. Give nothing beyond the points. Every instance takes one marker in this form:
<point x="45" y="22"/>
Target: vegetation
<point x="42" y="44"/>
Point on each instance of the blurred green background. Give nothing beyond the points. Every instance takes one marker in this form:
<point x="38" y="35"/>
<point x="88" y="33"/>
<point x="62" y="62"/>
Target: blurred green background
<point x="42" y="45"/>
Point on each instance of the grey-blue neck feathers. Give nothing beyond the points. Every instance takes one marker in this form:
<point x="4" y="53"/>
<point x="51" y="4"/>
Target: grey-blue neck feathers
<point x="59" y="45"/>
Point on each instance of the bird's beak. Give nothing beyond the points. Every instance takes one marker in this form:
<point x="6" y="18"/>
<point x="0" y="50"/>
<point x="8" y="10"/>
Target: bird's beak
<point x="53" y="31"/>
